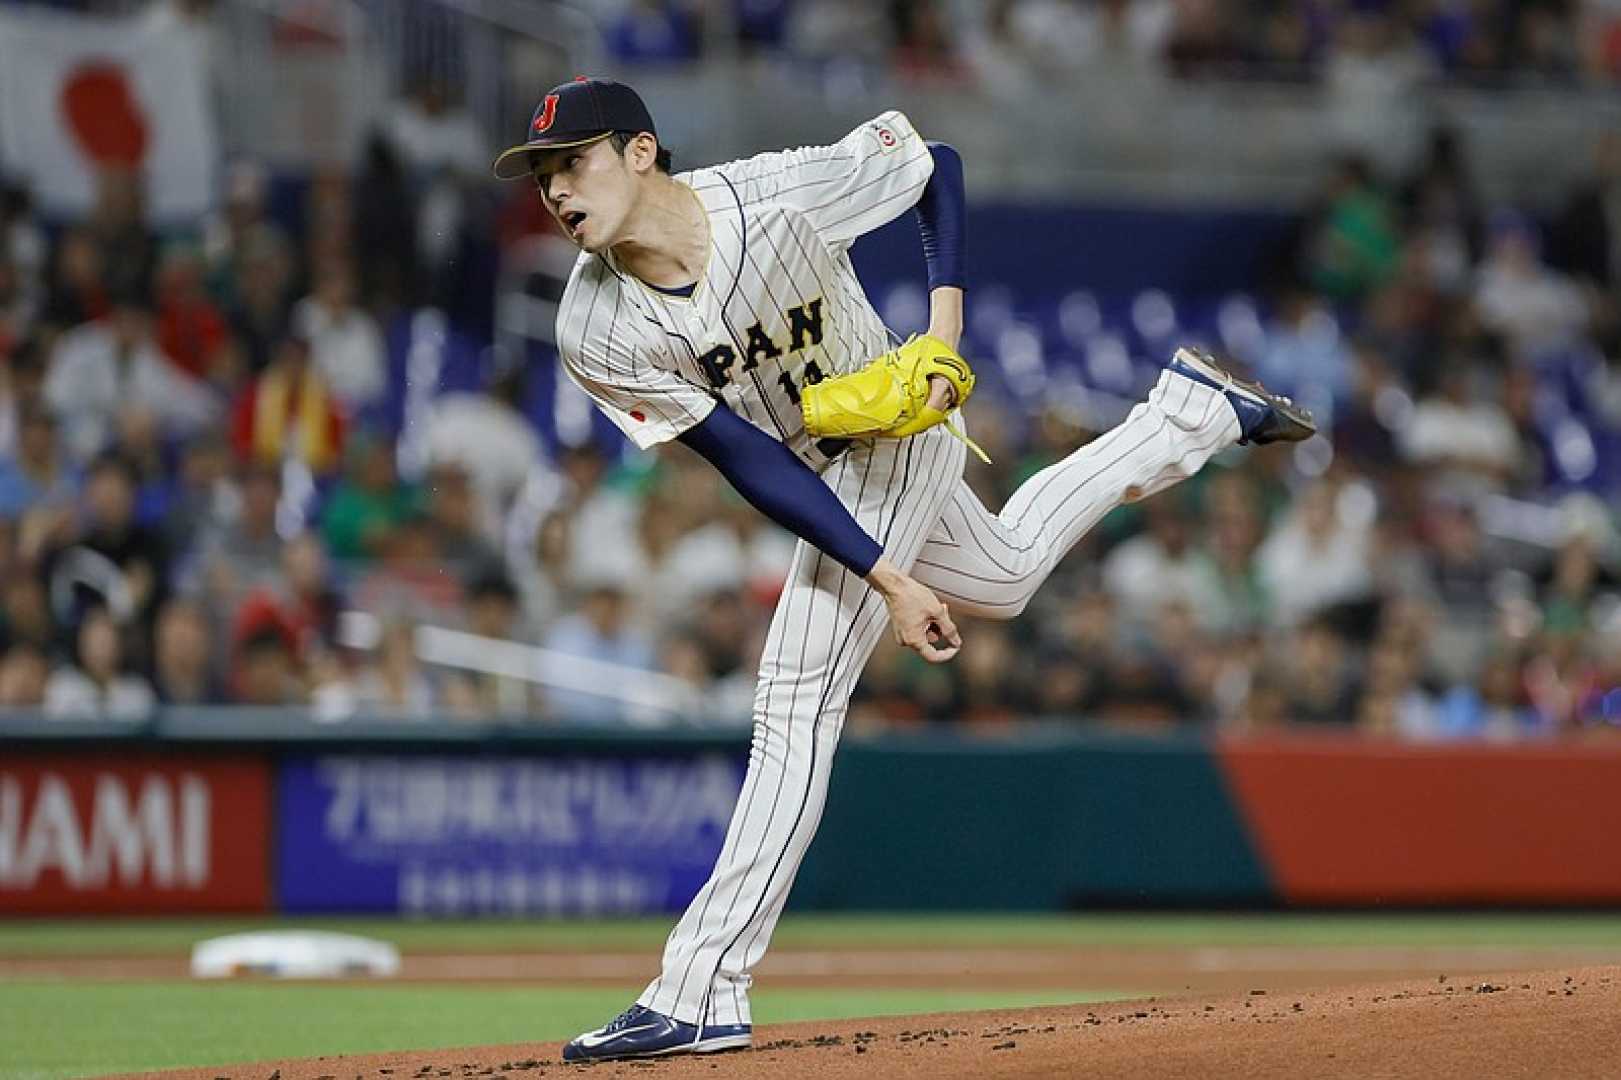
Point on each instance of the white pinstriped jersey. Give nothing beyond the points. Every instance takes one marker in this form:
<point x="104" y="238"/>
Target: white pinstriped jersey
<point x="778" y="304"/>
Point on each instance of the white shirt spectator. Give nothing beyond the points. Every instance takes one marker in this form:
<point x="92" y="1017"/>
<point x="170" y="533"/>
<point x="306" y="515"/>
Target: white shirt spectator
<point x="1142" y="574"/>
<point x="1315" y="559"/>
<point x="604" y="538"/>
<point x="1369" y="79"/>
<point x="1064" y="36"/>
<point x="347" y="348"/>
<point x="491" y="440"/>
<point x="433" y="138"/>
<point x="1471" y="433"/>
<point x="1530" y="305"/>
<point x="90" y="381"/>
<point x="705" y="560"/>
<point x="72" y="695"/>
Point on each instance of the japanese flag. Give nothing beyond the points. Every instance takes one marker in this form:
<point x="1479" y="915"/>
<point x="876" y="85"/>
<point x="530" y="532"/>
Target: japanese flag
<point x="81" y="94"/>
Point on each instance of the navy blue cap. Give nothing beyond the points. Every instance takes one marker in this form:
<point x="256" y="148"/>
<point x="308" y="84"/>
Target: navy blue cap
<point x="573" y="114"/>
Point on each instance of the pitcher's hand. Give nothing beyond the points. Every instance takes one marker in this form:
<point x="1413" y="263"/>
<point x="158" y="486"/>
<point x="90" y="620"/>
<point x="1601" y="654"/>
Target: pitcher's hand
<point x="918" y="618"/>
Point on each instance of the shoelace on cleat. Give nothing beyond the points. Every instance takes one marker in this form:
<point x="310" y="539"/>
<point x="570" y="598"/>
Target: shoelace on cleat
<point x="621" y="1021"/>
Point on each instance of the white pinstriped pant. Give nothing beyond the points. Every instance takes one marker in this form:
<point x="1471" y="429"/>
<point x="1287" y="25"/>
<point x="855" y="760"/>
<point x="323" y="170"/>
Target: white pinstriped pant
<point x="909" y="493"/>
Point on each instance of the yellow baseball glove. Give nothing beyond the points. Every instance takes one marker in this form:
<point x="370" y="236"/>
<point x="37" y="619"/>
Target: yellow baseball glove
<point x="889" y="397"/>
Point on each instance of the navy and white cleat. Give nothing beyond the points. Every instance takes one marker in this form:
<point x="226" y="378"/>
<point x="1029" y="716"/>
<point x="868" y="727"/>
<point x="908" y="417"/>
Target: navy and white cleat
<point x="641" y="1032"/>
<point x="1263" y="417"/>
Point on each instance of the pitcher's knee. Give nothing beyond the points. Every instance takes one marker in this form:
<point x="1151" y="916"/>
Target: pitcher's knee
<point x="1012" y="607"/>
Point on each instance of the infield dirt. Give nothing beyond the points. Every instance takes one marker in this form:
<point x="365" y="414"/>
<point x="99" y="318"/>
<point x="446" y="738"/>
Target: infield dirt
<point x="1549" y="1024"/>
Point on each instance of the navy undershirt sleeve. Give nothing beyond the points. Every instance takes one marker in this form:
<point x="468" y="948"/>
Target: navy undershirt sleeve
<point x="942" y="214"/>
<point x="783" y="488"/>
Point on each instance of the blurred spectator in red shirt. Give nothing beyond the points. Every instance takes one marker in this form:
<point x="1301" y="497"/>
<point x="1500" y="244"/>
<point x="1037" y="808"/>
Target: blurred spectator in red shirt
<point x="308" y="599"/>
<point x="297" y="606"/>
<point x="266" y="671"/>
<point x="191" y="330"/>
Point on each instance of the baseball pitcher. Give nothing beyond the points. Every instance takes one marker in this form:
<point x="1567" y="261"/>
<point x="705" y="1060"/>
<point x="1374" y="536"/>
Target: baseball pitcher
<point x="719" y="307"/>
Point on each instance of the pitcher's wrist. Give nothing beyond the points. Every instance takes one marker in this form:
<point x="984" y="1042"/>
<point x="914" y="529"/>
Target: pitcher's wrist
<point x="884" y="576"/>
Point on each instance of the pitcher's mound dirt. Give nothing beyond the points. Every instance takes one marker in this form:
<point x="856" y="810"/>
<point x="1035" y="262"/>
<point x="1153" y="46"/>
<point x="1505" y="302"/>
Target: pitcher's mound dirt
<point x="1549" y="1024"/>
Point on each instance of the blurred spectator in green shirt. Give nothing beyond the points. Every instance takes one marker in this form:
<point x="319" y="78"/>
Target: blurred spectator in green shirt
<point x="369" y="501"/>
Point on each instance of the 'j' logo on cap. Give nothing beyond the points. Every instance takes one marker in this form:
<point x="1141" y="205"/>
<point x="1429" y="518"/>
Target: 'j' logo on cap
<point x="548" y="113"/>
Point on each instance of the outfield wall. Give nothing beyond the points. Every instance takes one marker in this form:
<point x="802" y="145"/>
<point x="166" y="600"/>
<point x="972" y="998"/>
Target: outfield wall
<point x="245" y="817"/>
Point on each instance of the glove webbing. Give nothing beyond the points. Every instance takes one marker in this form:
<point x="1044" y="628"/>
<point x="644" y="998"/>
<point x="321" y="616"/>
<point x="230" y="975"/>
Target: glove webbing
<point x="956" y="432"/>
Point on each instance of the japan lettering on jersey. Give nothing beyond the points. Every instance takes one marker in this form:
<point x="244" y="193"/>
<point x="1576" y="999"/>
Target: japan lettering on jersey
<point x="778" y="306"/>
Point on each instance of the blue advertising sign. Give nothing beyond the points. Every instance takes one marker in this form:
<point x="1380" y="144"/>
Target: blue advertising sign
<point x="474" y="836"/>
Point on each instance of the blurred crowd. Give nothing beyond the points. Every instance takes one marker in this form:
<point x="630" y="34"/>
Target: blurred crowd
<point x="1442" y="562"/>
<point x="223" y="482"/>
<point x="1015" y="46"/>
<point x="1012" y="45"/>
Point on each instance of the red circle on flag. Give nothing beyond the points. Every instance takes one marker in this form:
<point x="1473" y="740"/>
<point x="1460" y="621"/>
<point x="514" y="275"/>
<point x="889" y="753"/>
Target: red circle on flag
<point x="103" y="114"/>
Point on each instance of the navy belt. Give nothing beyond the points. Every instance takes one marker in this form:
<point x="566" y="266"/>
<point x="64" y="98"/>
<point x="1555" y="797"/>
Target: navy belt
<point x="832" y="448"/>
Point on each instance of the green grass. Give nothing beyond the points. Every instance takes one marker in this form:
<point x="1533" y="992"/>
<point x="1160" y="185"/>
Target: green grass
<point x="58" y="1029"/>
<point x="44" y="1026"/>
<point x="157" y="937"/>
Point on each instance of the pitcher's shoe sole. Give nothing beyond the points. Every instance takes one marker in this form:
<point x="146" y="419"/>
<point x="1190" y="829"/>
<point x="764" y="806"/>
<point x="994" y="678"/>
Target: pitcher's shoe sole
<point x="1263" y="417"/>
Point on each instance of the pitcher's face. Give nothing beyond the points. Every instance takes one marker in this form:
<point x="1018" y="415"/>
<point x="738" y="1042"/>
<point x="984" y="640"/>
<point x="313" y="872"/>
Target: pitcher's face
<point x="590" y="190"/>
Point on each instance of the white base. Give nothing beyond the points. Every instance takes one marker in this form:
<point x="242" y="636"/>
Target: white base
<point x="293" y="954"/>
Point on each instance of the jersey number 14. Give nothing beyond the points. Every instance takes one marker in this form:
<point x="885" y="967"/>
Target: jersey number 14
<point x="804" y="323"/>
